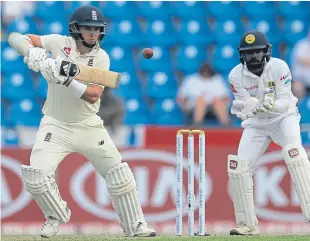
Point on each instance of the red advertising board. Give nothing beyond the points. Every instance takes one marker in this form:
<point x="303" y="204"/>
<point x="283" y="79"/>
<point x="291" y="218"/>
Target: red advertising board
<point x="153" y="164"/>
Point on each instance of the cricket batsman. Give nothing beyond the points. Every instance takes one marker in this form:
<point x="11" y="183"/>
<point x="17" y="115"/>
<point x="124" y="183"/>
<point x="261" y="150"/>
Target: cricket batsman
<point x="264" y="101"/>
<point x="70" y="124"/>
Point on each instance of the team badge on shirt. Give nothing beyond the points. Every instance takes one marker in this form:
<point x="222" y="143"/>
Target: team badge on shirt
<point x="232" y="87"/>
<point x="67" y="50"/>
<point x="271" y="84"/>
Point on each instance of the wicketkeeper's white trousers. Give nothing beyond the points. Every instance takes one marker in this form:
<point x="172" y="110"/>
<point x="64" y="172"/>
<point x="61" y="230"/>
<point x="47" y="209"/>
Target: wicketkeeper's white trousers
<point x="255" y="140"/>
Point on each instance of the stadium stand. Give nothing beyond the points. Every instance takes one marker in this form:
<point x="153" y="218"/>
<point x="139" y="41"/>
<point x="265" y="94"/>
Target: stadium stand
<point x="182" y="34"/>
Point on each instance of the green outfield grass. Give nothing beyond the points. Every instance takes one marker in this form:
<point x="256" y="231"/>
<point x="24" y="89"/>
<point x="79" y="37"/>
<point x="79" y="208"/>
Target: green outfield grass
<point x="162" y="238"/>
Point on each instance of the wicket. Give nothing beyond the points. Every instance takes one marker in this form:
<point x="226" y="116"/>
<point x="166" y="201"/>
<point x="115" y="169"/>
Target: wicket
<point x="191" y="175"/>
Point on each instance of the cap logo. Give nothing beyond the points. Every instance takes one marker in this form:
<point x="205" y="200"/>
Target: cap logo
<point x="249" y="39"/>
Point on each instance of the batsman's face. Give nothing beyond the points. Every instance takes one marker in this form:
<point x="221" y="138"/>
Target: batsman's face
<point x="90" y="34"/>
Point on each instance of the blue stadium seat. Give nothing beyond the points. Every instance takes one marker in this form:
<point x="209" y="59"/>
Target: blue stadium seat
<point x="23" y="26"/>
<point x="305" y="136"/>
<point x="11" y="60"/>
<point x="124" y="32"/>
<point x="167" y="112"/>
<point x="225" y="58"/>
<point x="121" y="57"/>
<point x="294" y="30"/>
<point x="259" y="9"/>
<point x="55" y="27"/>
<point x="275" y="51"/>
<point x="225" y="9"/>
<point x="17" y="86"/>
<point x="118" y="10"/>
<point x="189" y="58"/>
<point x="9" y="137"/>
<point x="130" y="86"/>
<point x="195" y="32"/>
<point x="287" y="57"/>
<point x="26" y="112"/>
<point x="4" y="115"/>
<point x="136" y="112"/>
<point x="161" y="85"/>
<point x="51" y="10"/>
<point x="294" y="9"/>
<point x="189" y="10"/>
<point x="268" y="27"/>
<point x="161" y="61"/>
<point x="154" y="9"/>
<point x="228" y="32"/>
<point x="161" y="32"/>
<point x="304" y="109"/>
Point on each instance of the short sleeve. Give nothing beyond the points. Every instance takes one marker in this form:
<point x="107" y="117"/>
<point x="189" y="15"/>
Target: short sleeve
<point x="49" y="42"/>
<point x="282" y="74"/>
<point x="102" y="60"/>
<point x="239" y="92"/>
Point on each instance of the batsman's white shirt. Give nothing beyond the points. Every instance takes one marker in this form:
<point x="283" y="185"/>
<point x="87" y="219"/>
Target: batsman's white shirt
<point x="259" y="131"/>
<point x="61" y="104"/>
<point x="71" y="124"/>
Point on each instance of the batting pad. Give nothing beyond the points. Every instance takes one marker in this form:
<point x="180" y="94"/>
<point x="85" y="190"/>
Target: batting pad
<point x="241" y="188"/>
<point x="298" y="166"/>
<point x="122" y="188"/>
<point x="45" y="192"/>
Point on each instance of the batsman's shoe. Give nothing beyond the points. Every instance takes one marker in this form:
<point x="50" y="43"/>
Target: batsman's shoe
<point x="50" y="227"/>
<point x="143" y="231"/>
<point x="244" y="230"/>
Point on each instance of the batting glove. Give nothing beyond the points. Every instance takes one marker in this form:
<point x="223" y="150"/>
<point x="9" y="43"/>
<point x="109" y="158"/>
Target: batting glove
<point x="35" y="56"/>
<point x="50" y="71"/>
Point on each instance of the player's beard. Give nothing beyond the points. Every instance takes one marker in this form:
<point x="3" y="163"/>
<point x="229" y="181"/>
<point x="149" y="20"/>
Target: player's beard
<point x="255" y="66"/>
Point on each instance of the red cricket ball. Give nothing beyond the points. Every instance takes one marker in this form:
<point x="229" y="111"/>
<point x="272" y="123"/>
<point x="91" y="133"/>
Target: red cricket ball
<point x="147" y="53"/>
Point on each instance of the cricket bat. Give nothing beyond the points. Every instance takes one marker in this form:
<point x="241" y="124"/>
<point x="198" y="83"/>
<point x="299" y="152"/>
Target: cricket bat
<point x="88" y="74"/>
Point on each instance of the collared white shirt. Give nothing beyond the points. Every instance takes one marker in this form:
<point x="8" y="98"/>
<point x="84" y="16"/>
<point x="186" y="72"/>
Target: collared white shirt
<point x="61" y="104"/>
<point x="276" y="75"/>
<point x="300" y="71"/>
<point x="195" y="85"/>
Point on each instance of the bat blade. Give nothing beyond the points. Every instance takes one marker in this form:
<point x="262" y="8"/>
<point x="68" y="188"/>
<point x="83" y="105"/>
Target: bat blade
<point x="90" y="74"/>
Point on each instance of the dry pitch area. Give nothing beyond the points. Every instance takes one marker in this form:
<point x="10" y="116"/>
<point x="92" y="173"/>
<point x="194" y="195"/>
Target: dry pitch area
<point x="162" y="238"/>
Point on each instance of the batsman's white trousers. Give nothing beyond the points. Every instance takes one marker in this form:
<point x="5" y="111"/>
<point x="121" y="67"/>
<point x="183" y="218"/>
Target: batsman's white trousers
<point x="55" y="140"/>
<point x="255" y="140"/>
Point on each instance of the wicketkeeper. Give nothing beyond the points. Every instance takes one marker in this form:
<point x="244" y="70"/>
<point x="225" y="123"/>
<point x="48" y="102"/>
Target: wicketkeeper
<point x="264" y="101"/>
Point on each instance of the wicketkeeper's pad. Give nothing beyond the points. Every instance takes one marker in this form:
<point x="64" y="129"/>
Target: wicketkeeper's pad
<point x="298" y="166"/>
<point x="241" y="188"/>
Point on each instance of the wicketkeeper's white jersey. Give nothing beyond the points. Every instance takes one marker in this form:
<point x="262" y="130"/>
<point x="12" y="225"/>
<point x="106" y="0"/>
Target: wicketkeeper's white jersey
<point x="276" y="75"/>
<point x="61" y="104"/>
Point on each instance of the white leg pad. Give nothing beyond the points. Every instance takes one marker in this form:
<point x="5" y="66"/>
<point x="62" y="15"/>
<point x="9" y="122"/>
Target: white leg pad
<point x="298" y="166"/>
<point x="122" y="188"/>
<point x="45" y="192"/>
<point x="241" y="188"/>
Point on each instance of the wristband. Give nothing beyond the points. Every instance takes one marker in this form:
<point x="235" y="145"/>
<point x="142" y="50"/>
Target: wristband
<point x="77" y="88"/>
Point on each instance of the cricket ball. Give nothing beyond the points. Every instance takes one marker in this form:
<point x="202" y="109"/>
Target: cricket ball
<point x="147" y="53"/>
